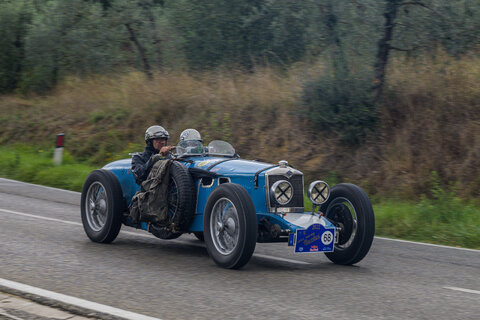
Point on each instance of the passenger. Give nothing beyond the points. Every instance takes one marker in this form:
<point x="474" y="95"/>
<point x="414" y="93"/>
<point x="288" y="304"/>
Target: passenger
<point x="190" y="142"/>
<point x="190" y="134"/>
<point x="156" y="138"/>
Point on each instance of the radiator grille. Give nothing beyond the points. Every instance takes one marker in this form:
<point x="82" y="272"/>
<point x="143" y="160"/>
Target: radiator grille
<point x="297" y="184"/>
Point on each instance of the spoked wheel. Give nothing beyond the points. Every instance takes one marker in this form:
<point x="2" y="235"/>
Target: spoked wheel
<point x="230" y="226"/>
<point x="225" y="226"/>
<point x="102" y="206"/>
<point x="350" y="210"/>
<point x="181" y="203"/>
<point x="96" y="210"/>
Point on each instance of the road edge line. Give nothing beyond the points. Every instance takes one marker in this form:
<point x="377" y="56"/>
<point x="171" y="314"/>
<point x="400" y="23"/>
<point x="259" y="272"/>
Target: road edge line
<point x="429" y="244"/>
<point x="67" y="303"/>
<point x="41" y="186"/>
<point x="462" y="290"/>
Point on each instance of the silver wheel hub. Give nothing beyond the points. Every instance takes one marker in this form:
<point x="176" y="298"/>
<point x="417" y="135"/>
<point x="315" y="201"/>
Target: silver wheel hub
<point x="224" y="226"/>
<point x="96" y="206"/>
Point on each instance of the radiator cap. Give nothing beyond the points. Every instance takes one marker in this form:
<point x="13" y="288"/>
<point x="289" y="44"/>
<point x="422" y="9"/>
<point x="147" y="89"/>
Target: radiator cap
<point x="283" y="163"/>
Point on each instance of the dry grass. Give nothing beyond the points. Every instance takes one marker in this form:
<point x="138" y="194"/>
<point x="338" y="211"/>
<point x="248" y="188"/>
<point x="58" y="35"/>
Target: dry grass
<point x="430" y="121"/>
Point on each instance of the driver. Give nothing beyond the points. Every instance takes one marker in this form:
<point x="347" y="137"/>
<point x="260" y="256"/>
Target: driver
<point x="156" y="138"/>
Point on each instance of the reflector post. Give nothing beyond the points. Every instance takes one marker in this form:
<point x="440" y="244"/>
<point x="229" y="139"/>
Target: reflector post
<point x="58" y="152"/>
<point x="59" y="143"/>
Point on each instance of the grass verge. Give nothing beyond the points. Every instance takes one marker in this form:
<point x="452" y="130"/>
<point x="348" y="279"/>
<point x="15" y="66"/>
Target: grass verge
<point x="35" y="165"/>
<point x="448" y="221"/>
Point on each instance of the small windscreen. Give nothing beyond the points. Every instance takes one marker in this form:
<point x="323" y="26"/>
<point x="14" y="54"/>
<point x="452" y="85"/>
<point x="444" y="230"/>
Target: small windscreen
<point x="221" y="148"/>
<point x="189" y="147"/>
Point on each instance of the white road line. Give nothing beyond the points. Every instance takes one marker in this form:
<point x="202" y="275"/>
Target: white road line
<point x="124" y="314"/>
<point x="148" y="236"/>
<point x="39" y="186"/>
<point x="428" y="244"/>
<point x="40" y="217"/>
<point x="264" y="256"/>
<point x="463" y="290"/>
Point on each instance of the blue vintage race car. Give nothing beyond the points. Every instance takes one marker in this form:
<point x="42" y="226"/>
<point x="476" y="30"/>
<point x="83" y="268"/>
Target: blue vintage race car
<point x="232" y="204"/>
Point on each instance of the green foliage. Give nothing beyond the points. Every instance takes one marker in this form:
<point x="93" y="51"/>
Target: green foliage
<point x="424" y="26"/>
<point x="44" y="41"/>
<point x="14" y="19"/>
<point x="65" y="38"/>
<point x="343" y="105"/>
<point x="244" y="32"/>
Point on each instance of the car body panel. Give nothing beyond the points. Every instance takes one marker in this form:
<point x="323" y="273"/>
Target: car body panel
<point x="232" y="170"/>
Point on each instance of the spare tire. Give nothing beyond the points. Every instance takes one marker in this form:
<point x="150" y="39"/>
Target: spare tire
<point x="181" y="203"/>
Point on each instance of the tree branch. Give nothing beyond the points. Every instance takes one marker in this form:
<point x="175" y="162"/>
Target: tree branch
<point x="414" y="3"/>
<point x="400" y="49"/>
<point x="141" y="51"/>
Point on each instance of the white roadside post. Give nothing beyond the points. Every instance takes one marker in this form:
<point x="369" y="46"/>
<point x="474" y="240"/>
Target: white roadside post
<point x="58" y="153"/>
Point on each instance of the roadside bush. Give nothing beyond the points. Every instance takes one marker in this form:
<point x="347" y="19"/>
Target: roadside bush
<point x="343" y="105"/>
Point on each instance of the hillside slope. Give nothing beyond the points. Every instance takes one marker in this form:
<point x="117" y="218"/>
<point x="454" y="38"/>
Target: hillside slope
<point x="429" y="121"/>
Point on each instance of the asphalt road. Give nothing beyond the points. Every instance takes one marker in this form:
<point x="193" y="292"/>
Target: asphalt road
<point x="42" y="244"/>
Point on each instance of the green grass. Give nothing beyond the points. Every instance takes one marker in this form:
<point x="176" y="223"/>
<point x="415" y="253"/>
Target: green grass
<point x="449" y="221"/>
<point x="35" y="165"/>
<point x="442" y="219"/>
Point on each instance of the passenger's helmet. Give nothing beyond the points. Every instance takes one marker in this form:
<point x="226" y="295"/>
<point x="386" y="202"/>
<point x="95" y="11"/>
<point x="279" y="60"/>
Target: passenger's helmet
<point x="190" y="134"/>
<point x="155" y="132"/>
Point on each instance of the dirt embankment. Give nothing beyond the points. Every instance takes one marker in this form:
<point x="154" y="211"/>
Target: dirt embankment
<point x="429" y="121"/>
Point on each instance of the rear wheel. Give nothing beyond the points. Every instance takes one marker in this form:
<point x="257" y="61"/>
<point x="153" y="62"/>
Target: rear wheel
<point x="230" y="226"/>
<point x="349" y="209"/>
<point x="102" y="206"/>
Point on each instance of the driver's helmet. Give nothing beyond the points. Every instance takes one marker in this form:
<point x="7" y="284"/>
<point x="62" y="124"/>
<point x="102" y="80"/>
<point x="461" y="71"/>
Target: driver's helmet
<point x="155" y="132"/>
<point x="190" y="134"/>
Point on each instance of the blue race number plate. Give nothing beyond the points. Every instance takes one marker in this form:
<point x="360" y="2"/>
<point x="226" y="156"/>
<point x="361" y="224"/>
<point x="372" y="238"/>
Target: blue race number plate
<point x="316" y="238"/>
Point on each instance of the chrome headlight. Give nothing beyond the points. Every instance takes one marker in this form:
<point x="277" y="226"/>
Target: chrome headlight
<point x="281" y="192"/>
<point x="318" y="192"/>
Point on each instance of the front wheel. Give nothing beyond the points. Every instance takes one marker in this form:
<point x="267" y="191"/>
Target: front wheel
<point x="349" y="209"/>
<point x="230" y="226"/>
<point x="102" y="206"/>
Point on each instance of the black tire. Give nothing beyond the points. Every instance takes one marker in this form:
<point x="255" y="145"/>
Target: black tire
<point x="181" y="203"/>
<point x="237" y="217"/>
<point x="199" y="235"/>
<point x="102" y="206"/>
<point x="349" y="207"/>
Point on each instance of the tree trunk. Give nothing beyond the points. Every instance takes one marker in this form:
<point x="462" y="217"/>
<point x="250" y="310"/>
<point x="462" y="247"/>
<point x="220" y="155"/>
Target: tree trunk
<point x="390" y="14"/>
<point x="141" y="51"/>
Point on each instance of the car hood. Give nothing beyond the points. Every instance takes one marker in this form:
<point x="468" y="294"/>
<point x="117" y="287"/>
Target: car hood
<point x="219" y="165"/>
<point x="226" y="166"/>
